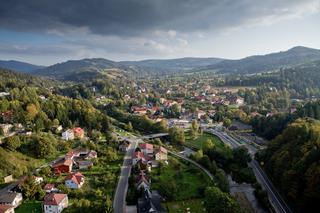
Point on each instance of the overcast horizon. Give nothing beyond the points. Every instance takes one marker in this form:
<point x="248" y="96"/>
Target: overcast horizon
<point x="47" y="32"/>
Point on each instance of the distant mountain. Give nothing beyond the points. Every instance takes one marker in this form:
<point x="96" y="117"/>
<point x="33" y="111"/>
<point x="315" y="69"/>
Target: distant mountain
<point x="169" y="65"/>
<point x="85" y="69"/>
<point x="263" y="63"/>
<point x="19" y="66"/>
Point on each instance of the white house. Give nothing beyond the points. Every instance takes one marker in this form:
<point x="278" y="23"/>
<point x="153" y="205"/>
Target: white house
<point x="68" y="135"/>
<point x="161" y="154"/>
<point x="55" y="203"/>
<point x="6" y="128"/>
<point x="38" y="180"/>
<point x="74" y="180"/>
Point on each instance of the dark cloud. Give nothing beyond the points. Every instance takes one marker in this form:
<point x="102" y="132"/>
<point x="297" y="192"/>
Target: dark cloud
<point x="136" y="17"/>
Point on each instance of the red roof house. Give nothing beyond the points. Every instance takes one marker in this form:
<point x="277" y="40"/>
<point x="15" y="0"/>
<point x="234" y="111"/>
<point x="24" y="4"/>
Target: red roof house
<point x="78" y="132"/>
<point x="63" y="166"/>
<point x="55" y="202"/>
<point x="74" y="180"/>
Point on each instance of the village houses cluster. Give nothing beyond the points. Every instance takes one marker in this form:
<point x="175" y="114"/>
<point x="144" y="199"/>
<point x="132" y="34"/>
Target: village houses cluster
<point x="54" y="200"/>
<point x="144" y="159"/>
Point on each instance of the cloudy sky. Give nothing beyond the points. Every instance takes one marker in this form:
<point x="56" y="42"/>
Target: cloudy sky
<point x="50" y="31"/>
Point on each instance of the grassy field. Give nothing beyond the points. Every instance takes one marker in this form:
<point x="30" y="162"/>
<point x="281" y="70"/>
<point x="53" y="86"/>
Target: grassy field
<point x="17" y="163"/>
<point x="194" y="206"/>
<point x="197" y="143"/>
<point x="29" y="207"/>
<point x="190" y="182"/>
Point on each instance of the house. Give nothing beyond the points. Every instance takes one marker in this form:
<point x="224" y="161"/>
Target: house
<point x="139" y="110"/>
<point x="68" y="135"/>
<point x="143" y="181"/>
<point x="146" y="148"/>
<point x="236" y="100"/>
<point x="7" y="116"/>
<point x="3" y="94"/>
<point x="137" y="156"/>
<point x="49" y="188"/>
<point x="179" y="123"/>
<point x="6" y="209"/>
<point x="6" y="128"/>
<point x="11" y="198"/>
<point x="199" y="113"/>
<point x="78" y="132"/>
<point x="85" y="164"/>
<point x="38" y="180"/>
<point x="124" y="146"/>
<point x="150" y="202"/>
<point x="91" y="155"/>
<point x="64" y="165"/>
<point x="55" y="203"/>
<point x="74" y="180"/>
<point x="58" y="129"/>
<point x="161" y="154"/>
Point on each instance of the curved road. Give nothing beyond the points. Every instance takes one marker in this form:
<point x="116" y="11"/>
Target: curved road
<point x="119" y="202"/>
<point x="275" y="198"/>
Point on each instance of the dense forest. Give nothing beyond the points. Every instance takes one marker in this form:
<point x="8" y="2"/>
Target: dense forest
<point x="292" y="162"/>
<point x="301" y="81"/>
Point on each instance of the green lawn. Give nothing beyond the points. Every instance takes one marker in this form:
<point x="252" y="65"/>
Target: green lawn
<point x="197" y="143"/>
<point x="190" y="182"/>
<point x="29" y="207"/>
<point x="194" y="206"/>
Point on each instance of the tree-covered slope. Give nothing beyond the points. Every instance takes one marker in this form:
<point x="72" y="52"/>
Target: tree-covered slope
<point x="269" y="62"/>
<point x="19" y="66"/>
<point x="83" y="70"/>
<point x="292" y="160"/>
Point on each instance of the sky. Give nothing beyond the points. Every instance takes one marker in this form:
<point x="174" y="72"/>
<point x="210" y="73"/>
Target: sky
<point x="45" y="32"/>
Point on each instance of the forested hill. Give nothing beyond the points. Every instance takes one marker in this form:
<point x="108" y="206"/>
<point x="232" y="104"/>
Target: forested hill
<point x="292" y="162"/>
<point x="18" y="66"/>
<point x="270" y="62"/>
<point x="84" y="70"/>
<point x="12" y="79"/>
<point x="301" y="81"/>
<point x="170" y="65"/>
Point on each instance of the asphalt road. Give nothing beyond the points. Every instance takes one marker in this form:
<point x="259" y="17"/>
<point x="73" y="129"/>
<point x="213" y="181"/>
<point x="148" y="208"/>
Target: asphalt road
<point x="119" y="202"/>
<point x="274" y="197"/>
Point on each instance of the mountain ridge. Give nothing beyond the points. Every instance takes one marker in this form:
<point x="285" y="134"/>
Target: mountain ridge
<point x="19" y="65"/>
<point x="264" y="63"/>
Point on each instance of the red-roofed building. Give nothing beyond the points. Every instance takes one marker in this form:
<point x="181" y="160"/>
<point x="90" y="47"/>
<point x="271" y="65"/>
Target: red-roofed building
<point x="63" y="166"/>
<point x="146" y="148"/>
<point x="139" y="110"/>
<point x="6" y="209"/>
<point x="78" y="132"/>
<point x="49" y="187"/>
<point x="136" y="157"/>
<point x="55" y="203"/>
<point x="74" y="180"/>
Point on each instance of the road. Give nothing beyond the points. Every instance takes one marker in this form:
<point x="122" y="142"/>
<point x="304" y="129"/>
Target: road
<point x="119" y="202"/>
<point x="274" y="197"/>
<point x="193" y="162"/>
<point x="158" y="135"/>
